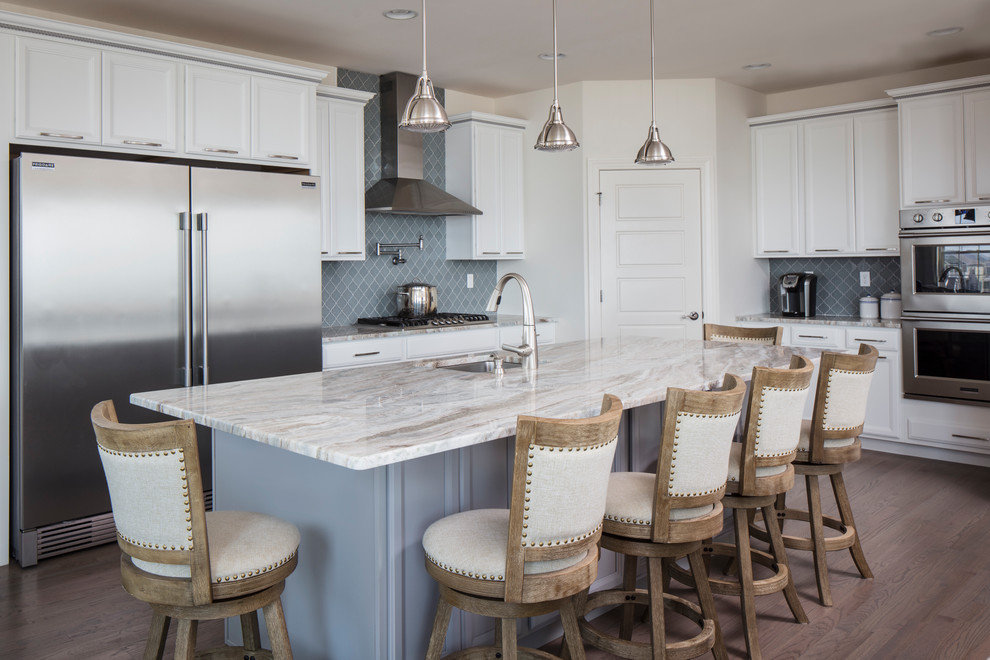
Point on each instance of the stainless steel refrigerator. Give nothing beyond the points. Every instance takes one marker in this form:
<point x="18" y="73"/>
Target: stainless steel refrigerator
<point x="133" y="276"/>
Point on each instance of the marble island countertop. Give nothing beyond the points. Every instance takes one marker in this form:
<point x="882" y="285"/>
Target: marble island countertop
<point x="369" y="417"/>
<point x="853" y="321"/>
<point x="337" y="333"/>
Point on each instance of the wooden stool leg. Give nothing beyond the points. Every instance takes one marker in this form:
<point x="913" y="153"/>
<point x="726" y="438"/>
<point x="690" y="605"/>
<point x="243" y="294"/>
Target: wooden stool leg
<point x="744" y="563"/>
<point x="185" y="639"/>
<point x="572" y="633"/>
<point x="780" y="556"/>
<point x="250" y="631"/>
<point x="155" y="647"/>
<point x="707" y="601"/>
<point x="278" y="634"/>
<point x="509" y="646"/>
<point x="818" y="539"/>
<point x="846" y="515"/>
<point x="628" y="584"/>
<point x="440" y="622"/>
<point x="658" y="635"/>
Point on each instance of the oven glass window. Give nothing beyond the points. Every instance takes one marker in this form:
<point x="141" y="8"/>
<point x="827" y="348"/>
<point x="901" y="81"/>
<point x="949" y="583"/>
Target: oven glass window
<point x="952" y="269"/>
<point x="953" y="354"/>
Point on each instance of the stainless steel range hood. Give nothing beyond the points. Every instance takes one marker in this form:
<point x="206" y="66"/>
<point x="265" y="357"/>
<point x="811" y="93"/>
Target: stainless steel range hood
<point x="402" y="190"/>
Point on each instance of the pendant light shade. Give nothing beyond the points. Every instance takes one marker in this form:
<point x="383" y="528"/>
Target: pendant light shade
<point x="555" y="136"/>
<point x="423" y="113"/>
<point x="653" y="151"/>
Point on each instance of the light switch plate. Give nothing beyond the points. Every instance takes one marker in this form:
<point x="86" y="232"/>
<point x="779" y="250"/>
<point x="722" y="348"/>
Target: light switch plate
<point x="470" y="280"/>
<point x="864" y="278"/>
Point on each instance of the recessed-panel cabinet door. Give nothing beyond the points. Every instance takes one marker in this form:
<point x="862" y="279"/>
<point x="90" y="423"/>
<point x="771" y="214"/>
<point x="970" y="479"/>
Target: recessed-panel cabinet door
<point x="931" y="150"/>
<point x="280" y="115"/>
<point x="58" y="91"/>
<point x="487" y="191"/>
<point x="977" y="110"/>
<point x="510" y="161"/>
<point x="829" y="207"/>
<point x="218" y="112"/>
<point x="343" y="181"/>
<point x="140" y="101"/>
<point x="877" y="184"/>
<point x="776" y="189"/>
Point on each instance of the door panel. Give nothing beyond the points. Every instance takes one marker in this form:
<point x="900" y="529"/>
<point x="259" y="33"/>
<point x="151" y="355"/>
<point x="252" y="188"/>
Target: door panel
<point x="651" y="253"/>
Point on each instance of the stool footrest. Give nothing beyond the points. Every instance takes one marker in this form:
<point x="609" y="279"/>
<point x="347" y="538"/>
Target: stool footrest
<point x="844" y="540"/>
<point x="768" y="585"/>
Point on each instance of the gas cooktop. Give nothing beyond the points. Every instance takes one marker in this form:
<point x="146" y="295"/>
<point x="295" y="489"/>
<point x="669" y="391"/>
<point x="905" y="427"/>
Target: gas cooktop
<point x="439" y="319"/>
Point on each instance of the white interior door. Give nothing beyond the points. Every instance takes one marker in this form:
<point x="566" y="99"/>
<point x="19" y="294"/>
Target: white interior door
<point x="651" y="253"/>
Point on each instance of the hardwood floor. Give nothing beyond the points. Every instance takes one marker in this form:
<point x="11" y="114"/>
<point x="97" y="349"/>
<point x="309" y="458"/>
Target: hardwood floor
<point x="925" y="529"/>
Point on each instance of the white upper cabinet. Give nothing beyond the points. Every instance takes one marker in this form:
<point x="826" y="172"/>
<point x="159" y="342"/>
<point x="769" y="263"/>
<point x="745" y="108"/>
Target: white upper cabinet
<point x="218" y="112"/>
<point x="826" y="185"/>
<point x="829" y="207"/>
<point x="57" y="91"/>
<point x="776" y="200"/>
<point x="281" y="111"/>
<point x="485" y="169"/>
<point x="932" y="150"/>
<point x="877" y="186"/>
<point x="140" y="101"/>
<point x="976" y="108"/>
<point x="339" y="162"/>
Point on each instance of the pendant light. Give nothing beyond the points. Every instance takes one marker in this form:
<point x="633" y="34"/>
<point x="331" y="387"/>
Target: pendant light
<point x="653" y="151"/>
<point x="555" y="135"/>
<point x="423" y="113"/>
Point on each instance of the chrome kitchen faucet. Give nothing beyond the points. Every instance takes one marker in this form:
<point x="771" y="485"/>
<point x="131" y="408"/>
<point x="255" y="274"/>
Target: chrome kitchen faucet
<point x="527" y="351"/>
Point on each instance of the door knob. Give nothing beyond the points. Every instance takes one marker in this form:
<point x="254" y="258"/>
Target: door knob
<point x="692" y="316"/>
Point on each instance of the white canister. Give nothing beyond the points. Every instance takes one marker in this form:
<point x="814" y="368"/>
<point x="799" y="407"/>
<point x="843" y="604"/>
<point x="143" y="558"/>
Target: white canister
<point x="890" y="306"/>
<point x="869" y="307"/>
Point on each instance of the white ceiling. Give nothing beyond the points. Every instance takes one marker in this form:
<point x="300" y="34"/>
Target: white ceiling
<point x="491" y="48"/>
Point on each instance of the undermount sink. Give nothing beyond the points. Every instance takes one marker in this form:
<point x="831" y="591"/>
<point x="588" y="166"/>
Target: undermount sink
<point x="487" y="366"/>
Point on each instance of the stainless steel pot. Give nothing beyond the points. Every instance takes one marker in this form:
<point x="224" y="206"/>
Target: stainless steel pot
<point x="415" y="299"/>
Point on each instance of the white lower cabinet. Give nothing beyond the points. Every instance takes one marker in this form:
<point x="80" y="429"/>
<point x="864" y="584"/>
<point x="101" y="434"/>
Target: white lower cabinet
<point x="362" y="351"/>
<point x="948" y="426"/>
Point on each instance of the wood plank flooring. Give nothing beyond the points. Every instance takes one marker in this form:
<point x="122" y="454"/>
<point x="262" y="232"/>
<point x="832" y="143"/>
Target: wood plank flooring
<point x="926" y="533"/>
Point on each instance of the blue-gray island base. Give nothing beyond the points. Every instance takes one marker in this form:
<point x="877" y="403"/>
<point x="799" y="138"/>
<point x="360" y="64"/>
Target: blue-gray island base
<point x="399" y="446"/>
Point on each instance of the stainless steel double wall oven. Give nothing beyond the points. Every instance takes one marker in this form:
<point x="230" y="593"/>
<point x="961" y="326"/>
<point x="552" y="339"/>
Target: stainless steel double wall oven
<point x="945" y="290"/>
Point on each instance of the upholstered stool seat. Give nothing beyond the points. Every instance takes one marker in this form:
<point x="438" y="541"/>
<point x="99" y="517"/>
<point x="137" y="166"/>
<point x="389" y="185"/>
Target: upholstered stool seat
<point x="189" y="564"/>
<point x="664" y="516"/>
<point x="532" y="558"/>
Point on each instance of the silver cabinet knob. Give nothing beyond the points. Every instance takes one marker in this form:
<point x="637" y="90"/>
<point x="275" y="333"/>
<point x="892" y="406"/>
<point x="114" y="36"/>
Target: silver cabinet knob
<point x="692" y="316"/>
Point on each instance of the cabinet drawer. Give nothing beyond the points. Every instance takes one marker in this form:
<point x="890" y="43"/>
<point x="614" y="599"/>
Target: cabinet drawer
<point x="818" y="336"/>
<point x="363" y="351"/>
<point x="975" y="437"/>
<point x="885" y="339"/>
<point x="451" y="342"/>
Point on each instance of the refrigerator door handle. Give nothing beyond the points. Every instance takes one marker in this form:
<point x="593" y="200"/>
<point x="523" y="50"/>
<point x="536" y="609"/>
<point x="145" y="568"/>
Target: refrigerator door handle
<point x="201" y="224"/>
<point x="185" y="224"/>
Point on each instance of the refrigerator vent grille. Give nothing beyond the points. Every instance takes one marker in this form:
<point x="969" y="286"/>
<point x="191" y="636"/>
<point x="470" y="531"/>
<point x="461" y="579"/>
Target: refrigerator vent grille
<point x="73" y="535"/>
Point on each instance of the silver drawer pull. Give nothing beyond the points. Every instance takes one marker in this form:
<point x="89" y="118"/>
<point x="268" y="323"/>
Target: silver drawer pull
<point x="873" y="341"/>
<point x="931" y="201"/>
<point x="880" y="249"/>
<point x="511" y="252"/>
<point x="491" y="253"/>
<point x="63" y="135"/>
<point x="354" y="252"/>
<point x="826" y="249"/>
<point x="969" y="437"/>
<point x="880" y="357"/>
<point x="983" y="199"/>
<point x="141" y="143"/>
<point x="283" y="157"/>
<point x="777" y="251"/>
<point x="216" y="150"/>
<point x="812" y="337"/>
<point x="366" y="354"/>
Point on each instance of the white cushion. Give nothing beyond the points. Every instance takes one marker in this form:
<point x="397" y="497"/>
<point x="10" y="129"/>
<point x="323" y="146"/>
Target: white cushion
<point x="804" y="444"/>
<point x="630" y="500"/>
<point x="242" y="544"/>
<point x="735" y="455"/>
<point x="473" y="544"/>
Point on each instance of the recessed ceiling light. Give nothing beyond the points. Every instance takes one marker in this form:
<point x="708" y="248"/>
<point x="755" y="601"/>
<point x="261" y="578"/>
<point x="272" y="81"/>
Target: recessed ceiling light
<point x="549" y="56"/>
<point x="400" y="14"/>
<point x="944" y="32"/>
<point x="757" y="67"/>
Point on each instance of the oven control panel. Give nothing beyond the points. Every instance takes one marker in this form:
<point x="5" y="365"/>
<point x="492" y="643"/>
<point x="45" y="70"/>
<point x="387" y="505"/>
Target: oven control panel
<point x="946" y="218"/>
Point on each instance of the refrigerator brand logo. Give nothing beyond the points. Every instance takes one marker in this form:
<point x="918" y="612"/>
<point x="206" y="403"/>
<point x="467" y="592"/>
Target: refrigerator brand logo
<point x="39" y="165"/>
<point x="309" y="184"/>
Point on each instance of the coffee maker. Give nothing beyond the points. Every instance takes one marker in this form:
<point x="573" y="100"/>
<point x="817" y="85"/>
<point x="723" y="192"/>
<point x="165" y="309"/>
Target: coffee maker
<point x="797" y="294"/>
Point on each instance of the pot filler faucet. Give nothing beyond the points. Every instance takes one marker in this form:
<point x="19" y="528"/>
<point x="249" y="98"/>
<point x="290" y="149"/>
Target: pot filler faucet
<point x="527" y="351"/>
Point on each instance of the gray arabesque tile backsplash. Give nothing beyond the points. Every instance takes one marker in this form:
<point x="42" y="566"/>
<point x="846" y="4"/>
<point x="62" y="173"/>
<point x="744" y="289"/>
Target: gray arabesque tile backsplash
<point x="838" y="281"/>
<point x="353" y="289"/>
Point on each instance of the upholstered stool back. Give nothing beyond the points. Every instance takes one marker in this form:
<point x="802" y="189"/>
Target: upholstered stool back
<point x="771" y="336"/>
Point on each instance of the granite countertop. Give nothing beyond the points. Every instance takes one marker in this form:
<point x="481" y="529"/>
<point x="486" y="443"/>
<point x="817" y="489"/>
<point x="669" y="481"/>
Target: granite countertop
<point x="822" y="320"/>
<point x="377" y="415"/>
<point x="335" y="333"/>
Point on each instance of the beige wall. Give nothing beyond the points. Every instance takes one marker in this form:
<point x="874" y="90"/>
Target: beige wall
<point x="869" y="88"/>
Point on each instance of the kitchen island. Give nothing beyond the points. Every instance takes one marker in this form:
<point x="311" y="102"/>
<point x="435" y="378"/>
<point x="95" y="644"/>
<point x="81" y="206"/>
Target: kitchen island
<point x="363" y="460"/>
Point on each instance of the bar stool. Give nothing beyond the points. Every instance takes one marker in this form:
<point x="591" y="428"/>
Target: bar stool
<point x="187" y="563"/>
<point x="759" y="470"/>
<point x="829" y="441"/>
<point x="772" y="336"/>
<point x="532" y="558"/>
<point x="665" y="516"/>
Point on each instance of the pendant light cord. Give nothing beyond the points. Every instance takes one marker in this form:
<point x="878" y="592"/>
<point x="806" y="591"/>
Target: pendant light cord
<point x="424" y="37"/>
<point x="653" y="70"/>
<point x="554" y="52"/>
